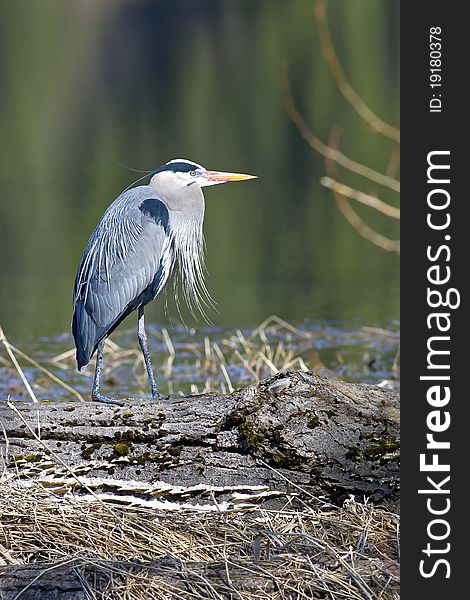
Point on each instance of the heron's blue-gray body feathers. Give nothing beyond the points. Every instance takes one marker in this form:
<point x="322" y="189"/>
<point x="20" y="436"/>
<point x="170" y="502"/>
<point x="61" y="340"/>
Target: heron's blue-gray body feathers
<point x="129" y="258"/>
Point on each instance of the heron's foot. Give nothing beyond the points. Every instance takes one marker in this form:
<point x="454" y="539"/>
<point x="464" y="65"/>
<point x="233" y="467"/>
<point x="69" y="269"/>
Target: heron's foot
<point x="98" y="397"/>
<point x="156" y="394"/>
<point x="159" y="396"/>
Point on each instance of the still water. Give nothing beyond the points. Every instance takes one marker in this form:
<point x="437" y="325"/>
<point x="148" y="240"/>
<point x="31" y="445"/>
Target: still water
<point x="101" y="84"/>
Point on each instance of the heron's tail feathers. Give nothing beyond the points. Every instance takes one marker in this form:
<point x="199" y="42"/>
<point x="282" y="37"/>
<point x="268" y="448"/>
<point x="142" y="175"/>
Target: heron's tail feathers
<point x="86" y="333"/>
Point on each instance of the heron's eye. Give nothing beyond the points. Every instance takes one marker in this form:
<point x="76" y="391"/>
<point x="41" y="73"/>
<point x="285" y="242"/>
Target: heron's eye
<point x="192" y="173"/>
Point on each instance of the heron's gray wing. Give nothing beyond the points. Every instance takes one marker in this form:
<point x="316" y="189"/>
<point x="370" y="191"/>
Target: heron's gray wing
<point x="126" y="263"/>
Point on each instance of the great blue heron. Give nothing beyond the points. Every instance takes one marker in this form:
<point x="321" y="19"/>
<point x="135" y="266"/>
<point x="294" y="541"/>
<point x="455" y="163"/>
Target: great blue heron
<point x="146" y="233"/>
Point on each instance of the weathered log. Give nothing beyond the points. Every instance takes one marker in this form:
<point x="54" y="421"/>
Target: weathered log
<point x="80" y="579"/>
<point x="293" y="431"/>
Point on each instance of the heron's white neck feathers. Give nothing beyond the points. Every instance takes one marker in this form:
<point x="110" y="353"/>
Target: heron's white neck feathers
<point x="189" y="259"/>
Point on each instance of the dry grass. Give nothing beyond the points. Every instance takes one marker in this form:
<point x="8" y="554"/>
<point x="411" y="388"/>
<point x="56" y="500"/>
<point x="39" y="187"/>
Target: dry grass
<point x="197" y="362"/>
<point x="136" y="553"/>
<point x="224" y="362"/>
<point x="220" y="365"/>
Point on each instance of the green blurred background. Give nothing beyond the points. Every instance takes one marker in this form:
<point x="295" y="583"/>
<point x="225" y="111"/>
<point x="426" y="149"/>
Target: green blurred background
<point x="86" y="85"/>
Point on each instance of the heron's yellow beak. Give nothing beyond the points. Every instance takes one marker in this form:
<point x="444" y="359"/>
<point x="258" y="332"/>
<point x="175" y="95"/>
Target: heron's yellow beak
<point x="215" y="177"/>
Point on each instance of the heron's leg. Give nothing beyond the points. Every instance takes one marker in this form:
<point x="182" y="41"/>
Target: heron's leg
<point x="142" y="335"/>
<point x="96" y="394"/>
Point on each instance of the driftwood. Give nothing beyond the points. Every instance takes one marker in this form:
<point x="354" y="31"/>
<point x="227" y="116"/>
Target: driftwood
<point x="294" y="431"/>
<point x="69" y="581"/>
<point x="81" y="579"/>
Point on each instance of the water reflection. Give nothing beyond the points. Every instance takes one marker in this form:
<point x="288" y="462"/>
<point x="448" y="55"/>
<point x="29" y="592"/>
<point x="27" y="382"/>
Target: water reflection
<point x="102" y="83"/>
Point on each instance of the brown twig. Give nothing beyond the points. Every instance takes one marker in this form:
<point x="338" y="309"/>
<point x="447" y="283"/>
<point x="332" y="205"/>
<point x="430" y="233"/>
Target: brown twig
<point x="367" y="199"/>
<point x="393" y="162"/>
<point x="331" y="58"/>
<point x="326" y="150"/>
<point x="351" y="215"/>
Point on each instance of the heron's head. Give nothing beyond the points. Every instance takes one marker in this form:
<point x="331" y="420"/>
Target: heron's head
<point x="180" y="173"/>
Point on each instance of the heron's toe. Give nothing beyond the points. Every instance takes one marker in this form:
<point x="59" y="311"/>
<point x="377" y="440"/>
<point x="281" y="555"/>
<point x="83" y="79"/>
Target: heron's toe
<point x="158" y="396"/>
<point x="97" y="397"/>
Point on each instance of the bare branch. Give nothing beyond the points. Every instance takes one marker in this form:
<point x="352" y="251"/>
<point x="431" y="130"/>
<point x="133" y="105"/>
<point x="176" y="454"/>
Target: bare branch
<point x="367" y="199"/>
<point x="351" y="215"/>
<point x="393" y="162"/>
<point x="342" y="82"/>
<point x="327" y="151"/>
